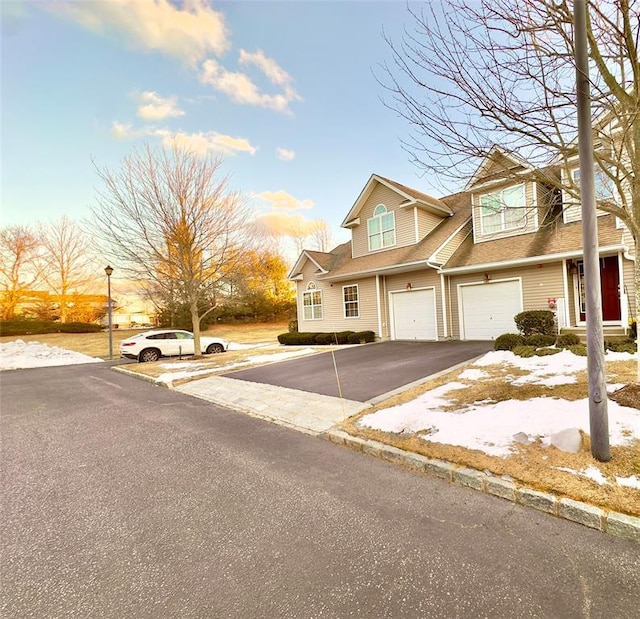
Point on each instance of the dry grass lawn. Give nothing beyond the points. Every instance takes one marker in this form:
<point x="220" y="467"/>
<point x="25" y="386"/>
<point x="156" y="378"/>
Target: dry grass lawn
<point x="97" y="344"/>
<point x="531" y="465"/>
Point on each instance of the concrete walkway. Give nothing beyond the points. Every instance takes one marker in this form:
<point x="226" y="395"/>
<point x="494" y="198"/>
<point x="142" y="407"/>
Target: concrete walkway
<point x="308" y="412"/>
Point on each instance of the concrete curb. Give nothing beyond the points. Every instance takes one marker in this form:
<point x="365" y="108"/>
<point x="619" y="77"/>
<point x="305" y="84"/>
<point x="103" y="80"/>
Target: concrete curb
<point x="612" y="523"/>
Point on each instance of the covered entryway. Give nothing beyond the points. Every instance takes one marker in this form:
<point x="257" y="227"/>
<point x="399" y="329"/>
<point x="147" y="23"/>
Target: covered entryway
<point x="487" y="309"/>
<point x="413" y="314"/>
<point x="610" y="288"/>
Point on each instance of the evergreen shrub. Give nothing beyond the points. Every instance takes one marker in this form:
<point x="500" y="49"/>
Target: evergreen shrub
<point x="508" y="341"/>
<point x="536" y="321"/>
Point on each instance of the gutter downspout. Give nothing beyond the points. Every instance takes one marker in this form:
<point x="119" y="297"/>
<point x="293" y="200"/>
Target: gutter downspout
<point x="378" y="304"/>
<point x="437" y="268"/>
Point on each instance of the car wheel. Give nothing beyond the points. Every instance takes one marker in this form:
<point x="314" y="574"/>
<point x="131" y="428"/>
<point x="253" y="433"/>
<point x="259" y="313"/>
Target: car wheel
<point x="149" y="354"/>
<point x="212" y="349"/>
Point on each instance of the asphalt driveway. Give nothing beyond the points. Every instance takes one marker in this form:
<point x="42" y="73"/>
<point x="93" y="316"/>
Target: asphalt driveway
<point x="365" y="372"/>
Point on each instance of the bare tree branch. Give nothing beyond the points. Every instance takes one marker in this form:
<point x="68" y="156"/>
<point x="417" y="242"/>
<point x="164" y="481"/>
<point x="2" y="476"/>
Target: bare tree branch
<point x="167" y="217"/>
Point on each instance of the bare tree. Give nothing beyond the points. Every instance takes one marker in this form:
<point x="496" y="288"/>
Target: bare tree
<point x="20" y="267"/>
<point x="168" y="219"/>
<point x="471" y="74"/>
<point x="321" y="235"/>
<point x="67" y="257"/>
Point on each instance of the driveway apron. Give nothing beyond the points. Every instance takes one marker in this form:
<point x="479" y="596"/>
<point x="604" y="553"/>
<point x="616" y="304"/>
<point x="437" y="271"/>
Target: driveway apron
<point x="367" y="371"/>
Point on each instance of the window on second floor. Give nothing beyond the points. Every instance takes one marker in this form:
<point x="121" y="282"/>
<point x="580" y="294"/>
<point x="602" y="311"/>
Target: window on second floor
<point x="312" y="303"/>
<point x="381" y="228"/>
<point x="502" y="210"/>
<point x="603" y="184"/>
<point x="350" y="297"/>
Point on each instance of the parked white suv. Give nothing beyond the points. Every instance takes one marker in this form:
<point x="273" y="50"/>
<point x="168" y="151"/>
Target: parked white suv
<point x="151" y="345"/>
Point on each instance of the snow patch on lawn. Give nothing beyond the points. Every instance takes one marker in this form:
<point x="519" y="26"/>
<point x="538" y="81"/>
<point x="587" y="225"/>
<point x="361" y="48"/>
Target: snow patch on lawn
<point x="17" y="354"/>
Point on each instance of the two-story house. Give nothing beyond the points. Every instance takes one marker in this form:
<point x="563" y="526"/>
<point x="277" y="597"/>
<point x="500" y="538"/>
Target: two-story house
<point x="461" y="267"/>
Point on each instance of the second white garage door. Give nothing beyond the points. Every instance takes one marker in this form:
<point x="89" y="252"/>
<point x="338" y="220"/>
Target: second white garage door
<point x="414" y="315"/>
<point x="488" y="309"/>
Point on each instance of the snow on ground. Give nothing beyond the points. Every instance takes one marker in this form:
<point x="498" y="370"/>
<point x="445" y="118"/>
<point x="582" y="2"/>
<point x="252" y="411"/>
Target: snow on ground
<point x="18" y="354"/>
<point x="490" y="426"/>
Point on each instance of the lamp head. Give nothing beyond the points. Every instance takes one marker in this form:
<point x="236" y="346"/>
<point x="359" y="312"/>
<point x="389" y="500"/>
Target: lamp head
<point x="108" y="270"/>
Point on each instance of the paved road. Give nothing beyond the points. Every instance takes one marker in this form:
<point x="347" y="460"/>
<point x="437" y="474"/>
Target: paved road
<point x="365" y="372"/>
<point x="123" y="499"/>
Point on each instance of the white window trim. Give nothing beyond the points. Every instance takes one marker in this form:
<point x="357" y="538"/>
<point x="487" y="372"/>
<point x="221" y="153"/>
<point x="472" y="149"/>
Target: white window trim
<point x="596" y="170"/>
<point x="502" y="210"/>
<point x="344" y="302"/>
<point x="395" y="240"/>
<point x="311" y="289"/>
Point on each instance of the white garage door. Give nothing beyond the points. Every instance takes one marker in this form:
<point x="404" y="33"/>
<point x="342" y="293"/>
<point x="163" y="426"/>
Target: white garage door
<point x="488" y="309"/>
<point x="414" y="315"/>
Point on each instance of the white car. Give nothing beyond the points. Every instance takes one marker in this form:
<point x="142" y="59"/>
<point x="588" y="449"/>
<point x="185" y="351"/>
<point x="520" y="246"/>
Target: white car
<point x="151" y="345"/>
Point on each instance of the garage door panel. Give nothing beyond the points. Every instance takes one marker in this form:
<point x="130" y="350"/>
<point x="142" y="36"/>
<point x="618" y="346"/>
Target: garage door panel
<point x="488" y="309"/>
<point x="414" y="315"/>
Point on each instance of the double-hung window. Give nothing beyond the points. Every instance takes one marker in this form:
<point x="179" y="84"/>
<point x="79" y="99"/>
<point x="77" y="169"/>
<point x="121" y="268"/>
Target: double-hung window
<point x="350" y="297"/>
<point x="381" y="228"/>
<point x="312" y="303"/>
<point x="502" y="210"/>
<point x="602" y="183"/>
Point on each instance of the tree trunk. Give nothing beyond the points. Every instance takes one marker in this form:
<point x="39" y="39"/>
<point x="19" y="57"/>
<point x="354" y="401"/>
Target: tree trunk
<point x="195" y="321"/>
<point x="636" y="287"/>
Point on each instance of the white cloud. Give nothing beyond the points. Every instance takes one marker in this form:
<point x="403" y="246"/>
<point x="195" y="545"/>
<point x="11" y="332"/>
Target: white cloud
<point x="154" y="107"/>
<point x="285" y="155"/>
<point x="122" y="131"/>
<point x="201" y="143"/>
<point x="189" y="31"/>
<point x="294" y="225"/>
<point x="283" y="201"/>
<point x="240" y="88"/>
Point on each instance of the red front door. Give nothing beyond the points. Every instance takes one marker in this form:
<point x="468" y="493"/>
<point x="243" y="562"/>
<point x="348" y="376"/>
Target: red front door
<point x="610" y="288"/>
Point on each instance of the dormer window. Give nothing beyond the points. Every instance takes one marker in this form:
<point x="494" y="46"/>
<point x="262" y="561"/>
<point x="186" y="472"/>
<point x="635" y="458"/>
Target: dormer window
<point x="603" y="184"/>
<point x="381" y="228"/>
<point x="502" y="210"/>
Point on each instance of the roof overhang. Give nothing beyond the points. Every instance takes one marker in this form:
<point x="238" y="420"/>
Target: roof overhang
<point x="389" y="270"/>
<point x="295" y="274"/>
<point x="507" y="264"/>
<point x="434" y="206"/>
<point x="491" y="156"/>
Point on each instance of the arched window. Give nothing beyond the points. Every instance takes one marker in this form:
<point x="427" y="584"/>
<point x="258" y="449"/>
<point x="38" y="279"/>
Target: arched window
<point x="312" y="303"/>
<point x="381" y="228"/>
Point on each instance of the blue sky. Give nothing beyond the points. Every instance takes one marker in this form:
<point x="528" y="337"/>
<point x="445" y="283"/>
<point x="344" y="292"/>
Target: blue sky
<point x="285" y="91"/>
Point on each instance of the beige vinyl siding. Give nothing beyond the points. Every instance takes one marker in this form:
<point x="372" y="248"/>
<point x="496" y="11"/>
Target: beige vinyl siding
<point x="629" y="285"/>
<point x="426" y="223"/>
<point x="539" y="283"/>
<point x="333" y="306"/>
<point x="544" y="194"/>
<point x="426" y="278"/>
<point x="404" y="220"/>
<point x="530" y="219"/>
<point x="452" y="244"/>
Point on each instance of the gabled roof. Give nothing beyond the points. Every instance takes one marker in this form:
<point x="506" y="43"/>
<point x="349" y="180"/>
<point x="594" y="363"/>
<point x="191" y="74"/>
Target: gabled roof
<point x="322" y="260"/>
<point x="412" y="198"/>
<point x="406" y="258"/>
<point x="498" y="164"/>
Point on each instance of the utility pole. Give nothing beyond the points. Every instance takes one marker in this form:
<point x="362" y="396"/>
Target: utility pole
<point x="598" y="409"/>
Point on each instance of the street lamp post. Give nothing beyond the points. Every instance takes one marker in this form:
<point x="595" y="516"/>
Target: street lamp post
<point x="109" y="270"/>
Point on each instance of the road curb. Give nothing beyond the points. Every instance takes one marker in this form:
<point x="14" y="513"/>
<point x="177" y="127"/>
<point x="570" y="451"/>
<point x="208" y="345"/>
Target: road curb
<point x="613" y="523"/>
